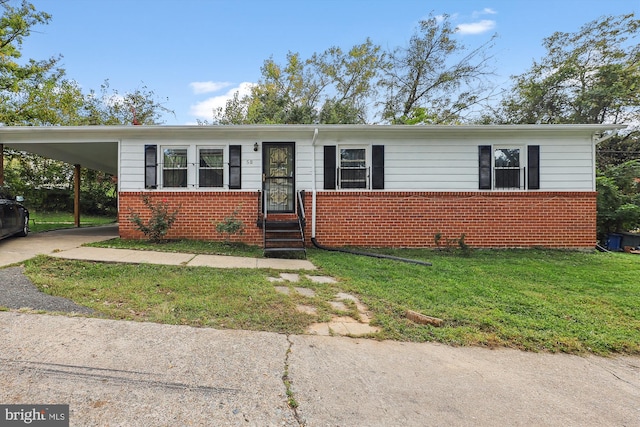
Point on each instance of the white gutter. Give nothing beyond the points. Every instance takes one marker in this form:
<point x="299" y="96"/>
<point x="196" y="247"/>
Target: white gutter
<point x="604" y="137"/>
<point x="313" y="181"/>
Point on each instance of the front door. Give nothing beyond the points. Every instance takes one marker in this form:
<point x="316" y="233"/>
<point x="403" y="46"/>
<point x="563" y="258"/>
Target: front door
<point x="278" y="173"/>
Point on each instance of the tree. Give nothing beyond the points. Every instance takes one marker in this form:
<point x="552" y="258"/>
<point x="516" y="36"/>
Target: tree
<point x="36" y="93"/>
<point x="18" y="80"/>
<point x="590" y="76"/>
<point x="109" y="107"/>
<point x="348" y="79"/>
<point x="435" y="78"/>
<point x="331" y="87"/>
<point x="618" y="198"/>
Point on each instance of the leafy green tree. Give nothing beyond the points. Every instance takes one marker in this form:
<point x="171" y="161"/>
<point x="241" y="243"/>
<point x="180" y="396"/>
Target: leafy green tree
<point x="331" y="87"/>
<point x="22" y="83"/>
<point x="590" y="76"/>
<point x="435" y="78"/>
<point x="619" y="198"/>
<point x="36" y="93"/>
<point x="349" y="81"/>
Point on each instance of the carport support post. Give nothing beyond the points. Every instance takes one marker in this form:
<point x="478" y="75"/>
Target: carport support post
<point x="76" y="195"/>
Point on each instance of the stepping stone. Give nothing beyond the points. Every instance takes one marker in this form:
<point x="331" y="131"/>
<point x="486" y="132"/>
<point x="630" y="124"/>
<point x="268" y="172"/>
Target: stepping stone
<point x="360" y="329"/>
<point x="306" y="292"/>
<point x="322" y="279"/>
<point x="275" y="279"/>
<point x="338" y="305"/>
<point x="319" y="329"/>
<point x="290" y="277"/>
<point x="282" y="290"/>
<point x="343" y="296"/>
<point x="307" y="309"/>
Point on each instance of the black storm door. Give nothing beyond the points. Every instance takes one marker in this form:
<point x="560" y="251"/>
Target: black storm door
<point x="278" y="172"/>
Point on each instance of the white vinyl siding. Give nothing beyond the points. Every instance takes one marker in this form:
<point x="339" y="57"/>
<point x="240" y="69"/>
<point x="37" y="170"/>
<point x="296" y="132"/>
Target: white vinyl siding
<point x="426" y="163"/>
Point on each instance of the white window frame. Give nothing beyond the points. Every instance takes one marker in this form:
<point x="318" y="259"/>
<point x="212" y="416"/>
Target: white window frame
<point x="522" y="160"/>
<point x="367" y="159"/>
<point x="163" y="168"/>
<point x="225" y="161"/>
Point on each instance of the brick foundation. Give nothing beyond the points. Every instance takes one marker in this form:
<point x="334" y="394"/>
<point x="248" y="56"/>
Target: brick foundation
<point x="395" y="219"/>
<point x="487" y="219"/>
<point x="199" y="212"/>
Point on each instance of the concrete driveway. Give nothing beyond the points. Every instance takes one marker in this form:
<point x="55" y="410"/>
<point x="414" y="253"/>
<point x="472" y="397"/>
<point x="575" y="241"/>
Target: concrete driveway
<point x="18" y="249"/>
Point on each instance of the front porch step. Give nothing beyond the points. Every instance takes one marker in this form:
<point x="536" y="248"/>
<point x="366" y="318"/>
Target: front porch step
<point x="282" y="236"/>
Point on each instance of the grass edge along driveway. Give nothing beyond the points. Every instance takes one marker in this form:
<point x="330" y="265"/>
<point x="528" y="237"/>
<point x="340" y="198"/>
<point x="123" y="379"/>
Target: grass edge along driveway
<point x="534" y="300"/>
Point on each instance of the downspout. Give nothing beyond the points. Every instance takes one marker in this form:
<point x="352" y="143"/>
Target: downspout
<point x="313" y="181"/>
<point x="313" y="218"/>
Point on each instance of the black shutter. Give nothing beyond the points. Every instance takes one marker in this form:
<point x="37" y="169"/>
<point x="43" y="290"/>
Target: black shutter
<point x="329" y="167"/>
<point x="484" y="154"/>
<point x="377" y="170"/>
<point x="235" y="161"/>
<point x="533" y="167"/>
<point x="150" y="166"/>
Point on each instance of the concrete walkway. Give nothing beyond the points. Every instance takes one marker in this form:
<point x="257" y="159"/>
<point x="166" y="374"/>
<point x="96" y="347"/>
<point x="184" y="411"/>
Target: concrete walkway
<point x="67" y="244"/>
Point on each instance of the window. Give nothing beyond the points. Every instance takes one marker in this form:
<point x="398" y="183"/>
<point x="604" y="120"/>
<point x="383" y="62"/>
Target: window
<point x="353" y="168"/>
<point x="503" y="168"/>
<point x="211" y="167"/>
<point x="174" y="167"/>
<point x="507" y="168"/>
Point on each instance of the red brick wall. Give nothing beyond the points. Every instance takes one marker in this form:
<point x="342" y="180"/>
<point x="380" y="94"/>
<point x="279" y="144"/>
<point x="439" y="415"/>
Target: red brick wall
<point x="395" y="219"/>
<point x="199" y="212"/>
<point x="488" y="219"/>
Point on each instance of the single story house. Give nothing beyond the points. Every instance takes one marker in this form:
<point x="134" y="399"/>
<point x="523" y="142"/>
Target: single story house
<point x="349" y="185"/>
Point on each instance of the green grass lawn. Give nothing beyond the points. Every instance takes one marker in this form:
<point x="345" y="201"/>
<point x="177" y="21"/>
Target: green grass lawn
<point x="45" y="221"/>
<point x="535" y="300"/>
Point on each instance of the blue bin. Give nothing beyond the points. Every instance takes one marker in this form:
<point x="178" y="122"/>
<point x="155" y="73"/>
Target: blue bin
<point x="614" y="241"/>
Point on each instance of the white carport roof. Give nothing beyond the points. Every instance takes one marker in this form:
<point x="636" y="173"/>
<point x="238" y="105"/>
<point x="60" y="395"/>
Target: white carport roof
<point x="96" y="147"/>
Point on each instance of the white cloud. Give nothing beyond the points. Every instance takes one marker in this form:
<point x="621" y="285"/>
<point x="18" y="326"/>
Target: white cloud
<point x="485" y="11"/>
<point x="204" y="109"/>
<point x="477" y="27"/>
<point x="208" y="87"/>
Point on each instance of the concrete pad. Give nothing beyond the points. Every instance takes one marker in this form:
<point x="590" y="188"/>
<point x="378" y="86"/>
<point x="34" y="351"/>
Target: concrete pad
<point x="283" y="290"/>
<point x="290" y="277"/>
<point x="307" y="309"/>
<point x="285" y="264"/>
<point x="309" y="293"/>
<point x="357" y="329"/>
<point x="338" y="305"/>
<point x="123" y="255"/>
<point x="319" y="329"/>
<point x="18" y="249"/>
<point x="144" y="374"/>
<point x="345" y="296"/>
<point x="221" y="261"/>
<point x="344" y="381"/>
<point x="321" y="279"/>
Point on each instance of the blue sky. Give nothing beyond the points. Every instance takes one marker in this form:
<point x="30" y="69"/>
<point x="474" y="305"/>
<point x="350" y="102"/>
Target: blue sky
<point x="197" y="52"/>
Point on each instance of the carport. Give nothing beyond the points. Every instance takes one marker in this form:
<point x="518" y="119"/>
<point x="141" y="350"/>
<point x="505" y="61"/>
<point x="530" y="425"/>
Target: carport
<point x="92" y="147"/>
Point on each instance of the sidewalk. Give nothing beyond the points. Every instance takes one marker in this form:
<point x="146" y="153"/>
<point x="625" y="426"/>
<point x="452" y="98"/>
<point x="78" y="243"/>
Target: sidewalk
<point x="173" y="258"/>
<point x="68" y="243"/>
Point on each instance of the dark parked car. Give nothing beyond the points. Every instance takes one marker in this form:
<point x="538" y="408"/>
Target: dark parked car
<point x="14" y="217"/>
